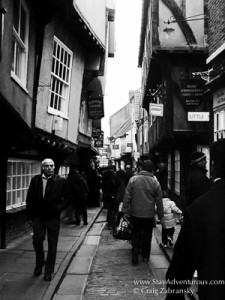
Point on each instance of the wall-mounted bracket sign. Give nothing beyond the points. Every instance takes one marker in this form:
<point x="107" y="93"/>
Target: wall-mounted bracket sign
<point x="156" y="109"/>
<point x="192" y="91"/>
<point x="95" y="108"/>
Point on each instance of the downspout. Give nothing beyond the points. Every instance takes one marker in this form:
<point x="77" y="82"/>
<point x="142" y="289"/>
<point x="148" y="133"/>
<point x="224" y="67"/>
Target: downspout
<point x="38" y="54"/>
<point x="4" y="157"/>
<point x="2" y="13"/>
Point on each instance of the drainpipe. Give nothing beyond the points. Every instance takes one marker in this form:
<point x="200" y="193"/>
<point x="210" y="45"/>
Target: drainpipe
<point x="2" y="13"/>
<point x="38" y="53"/>
<point x="4" y="157"/>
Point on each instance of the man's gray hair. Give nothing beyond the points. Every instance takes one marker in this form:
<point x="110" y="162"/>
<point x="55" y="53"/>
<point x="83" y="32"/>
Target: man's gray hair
<point x="47" y="160"/>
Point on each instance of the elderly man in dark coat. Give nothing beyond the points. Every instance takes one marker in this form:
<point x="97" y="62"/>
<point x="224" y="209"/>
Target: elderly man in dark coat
<point x="201" y="243"/>
<point x="47" y="196"/>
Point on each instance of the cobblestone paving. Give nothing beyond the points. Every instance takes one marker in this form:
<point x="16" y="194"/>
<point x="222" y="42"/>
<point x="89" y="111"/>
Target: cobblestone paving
<point x="114" y="277"/>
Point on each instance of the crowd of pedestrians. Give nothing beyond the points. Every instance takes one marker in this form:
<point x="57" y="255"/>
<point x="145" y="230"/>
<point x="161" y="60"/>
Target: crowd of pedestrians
<point x="142" y="197"/>
<point x="201" y="241"/>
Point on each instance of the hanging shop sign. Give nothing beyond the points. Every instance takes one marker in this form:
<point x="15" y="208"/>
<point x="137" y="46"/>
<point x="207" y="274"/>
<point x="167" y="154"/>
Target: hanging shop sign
<point x="98" y="143"/>
<point x="197" y="116"/>
<point x="156" y="109"/>
<point x="219" y="98"/>
<point x="192" y="91"/>
<point x="115" y="147"/>
<point x="95" y="108"/>
<point x="96" y="128"/>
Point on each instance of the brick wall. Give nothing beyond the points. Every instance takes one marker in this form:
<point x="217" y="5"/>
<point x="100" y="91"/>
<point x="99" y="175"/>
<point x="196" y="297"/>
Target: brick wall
<point x="216" y="35"/>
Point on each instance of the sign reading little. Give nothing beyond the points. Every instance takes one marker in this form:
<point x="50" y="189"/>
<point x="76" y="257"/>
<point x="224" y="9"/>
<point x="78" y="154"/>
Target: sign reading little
<point x="197" y="116"/>
<point x="192" y="91"/>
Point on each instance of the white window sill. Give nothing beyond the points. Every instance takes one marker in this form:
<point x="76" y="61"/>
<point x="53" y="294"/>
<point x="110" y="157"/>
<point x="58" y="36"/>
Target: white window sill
<point x="57" y="113"/>
<point x="15" y="208"/>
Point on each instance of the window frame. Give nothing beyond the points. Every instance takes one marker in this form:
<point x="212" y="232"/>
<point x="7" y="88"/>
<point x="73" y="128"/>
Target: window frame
<point x="20" y="59"/>
<point x="219" y="124"/>
<point x="18" y="181"/>
<point x="206" y="150"/>
<point x="177" y="172"/>
<point x="64" y="171"/>
<point x="59" y="86"/>
<point x="169" y="170"/>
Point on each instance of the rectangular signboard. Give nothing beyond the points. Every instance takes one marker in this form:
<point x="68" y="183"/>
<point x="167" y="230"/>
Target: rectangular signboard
<point x="129" y="144"/>
<point x="156" y="109"/>
<point x="98" y="143"/>
<point x="192" y="91"/>
<point x="197" y="116"/>
<point x="219" y="98"/>
<point x="95" y="108"/>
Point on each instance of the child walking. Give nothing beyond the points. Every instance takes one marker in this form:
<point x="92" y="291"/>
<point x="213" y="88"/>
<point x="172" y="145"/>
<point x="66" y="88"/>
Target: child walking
<point x="171" y="213"/>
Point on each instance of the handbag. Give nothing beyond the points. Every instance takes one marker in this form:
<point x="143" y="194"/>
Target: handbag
<point x="123" y="230"/>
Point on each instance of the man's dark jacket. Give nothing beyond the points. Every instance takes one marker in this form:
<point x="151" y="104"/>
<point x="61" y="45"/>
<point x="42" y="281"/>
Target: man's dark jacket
<point x="110" y="184"/>
<point x="79" y="188"/>
<point x="201" y="245"/>
<point x="197" y="184"/>
<point x="57" y="197"/>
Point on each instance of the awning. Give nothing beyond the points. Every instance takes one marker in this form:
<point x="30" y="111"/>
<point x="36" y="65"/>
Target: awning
<point x="123" y="129"/>
<point x="84" y="141"/>
<point x="95" y="86"/>
<point x="95" y="151"/>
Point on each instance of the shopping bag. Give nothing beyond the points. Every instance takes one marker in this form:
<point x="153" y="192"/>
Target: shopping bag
<point x="123" y="230"/>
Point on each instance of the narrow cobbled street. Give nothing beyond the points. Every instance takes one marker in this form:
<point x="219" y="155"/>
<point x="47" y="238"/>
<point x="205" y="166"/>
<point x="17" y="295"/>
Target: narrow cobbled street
<point x="113" y="276"/>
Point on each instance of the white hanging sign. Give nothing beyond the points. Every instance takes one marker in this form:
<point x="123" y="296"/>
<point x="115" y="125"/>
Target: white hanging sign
<point x="156" y="109"/>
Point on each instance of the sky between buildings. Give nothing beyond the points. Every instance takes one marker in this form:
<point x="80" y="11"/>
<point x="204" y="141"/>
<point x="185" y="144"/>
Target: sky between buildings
<point x="123" y="73"/>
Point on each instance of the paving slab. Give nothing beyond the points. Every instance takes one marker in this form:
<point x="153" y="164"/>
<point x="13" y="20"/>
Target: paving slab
<point x="72" y="285"/>
<point x="68" y="297"/>
<point x="87" y="251"/>
<point x="92" y="240"/>
<point x="80" y="265"/>
<point x="17" y="263"/>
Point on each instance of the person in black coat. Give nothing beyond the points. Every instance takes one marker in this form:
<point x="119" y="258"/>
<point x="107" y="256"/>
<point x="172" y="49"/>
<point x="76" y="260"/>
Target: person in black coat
<point x="47" y="196"/>
<point x="110" y="188"/>
<point x="80" y="190"/>
<point x="197" y="182"/>
<point x="201" y="242"/>
<point x="162" y="176"/>
<point x="128" y="174"/>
